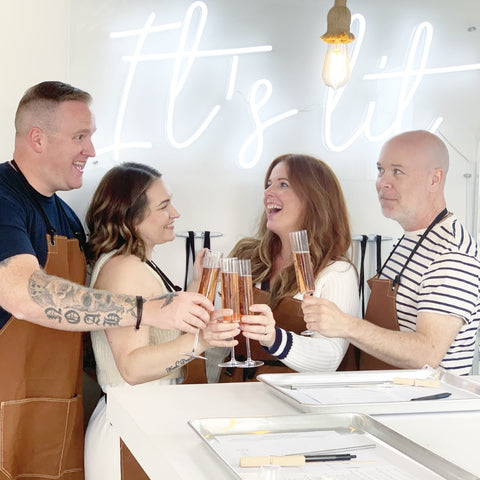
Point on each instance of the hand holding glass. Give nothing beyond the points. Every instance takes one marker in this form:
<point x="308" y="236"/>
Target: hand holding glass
<point x="303" y="265"/>
<point x="246" y="299"/>
<point x="230" y="299"/>
<point x="208" y="284"/>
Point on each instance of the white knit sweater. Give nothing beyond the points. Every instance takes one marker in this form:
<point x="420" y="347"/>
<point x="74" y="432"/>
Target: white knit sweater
<point x="338" y="283"/>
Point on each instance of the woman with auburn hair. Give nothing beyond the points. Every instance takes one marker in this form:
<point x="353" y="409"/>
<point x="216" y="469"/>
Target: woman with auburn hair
<point x="301" y="193"/>
<point x="131" y="212"/>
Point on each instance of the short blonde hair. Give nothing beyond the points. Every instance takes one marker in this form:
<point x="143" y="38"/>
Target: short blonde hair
<point x="39" y="103"/>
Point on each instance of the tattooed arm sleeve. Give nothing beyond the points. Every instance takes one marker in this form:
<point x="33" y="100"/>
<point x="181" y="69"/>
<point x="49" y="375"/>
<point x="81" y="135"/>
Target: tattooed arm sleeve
<point x="65" y="302"/>
<point x="30" y="294"/>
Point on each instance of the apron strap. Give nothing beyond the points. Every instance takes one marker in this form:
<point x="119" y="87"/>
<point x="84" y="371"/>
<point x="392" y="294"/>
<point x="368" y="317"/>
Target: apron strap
<point x="80" y="236"/>
<point x="378" y="240"/>
<point x="397" y="278"/>
<point x="206" y="239"/>
<point x="361" y="283"/>
<point x="166" y="281"/>
<point x="189" y="247"/>
<point x="437" y="219"/>
<point x="50" y="230"/>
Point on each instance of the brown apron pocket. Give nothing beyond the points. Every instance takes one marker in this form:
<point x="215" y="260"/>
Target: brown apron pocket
<point x="36" y="434"/>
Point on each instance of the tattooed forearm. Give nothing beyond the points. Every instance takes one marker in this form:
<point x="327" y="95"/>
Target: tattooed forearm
<point x="168" y="298"/>
<point x="64" y="300"/>
<point x="177" y="364"/>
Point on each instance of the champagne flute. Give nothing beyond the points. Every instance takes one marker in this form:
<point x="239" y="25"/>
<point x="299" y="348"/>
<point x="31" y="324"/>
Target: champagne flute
<point x="303" y="265"/>
<point x="208" y="285"/>
<point x="230" y="299"/>
<point x="246" y="299"/>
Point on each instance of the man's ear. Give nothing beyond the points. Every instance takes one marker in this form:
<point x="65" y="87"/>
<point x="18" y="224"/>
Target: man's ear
<point x="437" y="179"/>
<point x="36" y="139"/>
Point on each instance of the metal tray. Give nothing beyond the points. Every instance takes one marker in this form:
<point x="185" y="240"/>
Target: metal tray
<point x="465" y="393"/>
<point x="391" y="456"/>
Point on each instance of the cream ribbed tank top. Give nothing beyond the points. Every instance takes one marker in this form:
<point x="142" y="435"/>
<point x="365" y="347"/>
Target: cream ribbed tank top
<point x="107" y="372"/>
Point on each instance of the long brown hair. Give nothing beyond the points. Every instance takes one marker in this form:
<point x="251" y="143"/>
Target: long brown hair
<point x="325" y="219"/>
<point x="118" y="205"/>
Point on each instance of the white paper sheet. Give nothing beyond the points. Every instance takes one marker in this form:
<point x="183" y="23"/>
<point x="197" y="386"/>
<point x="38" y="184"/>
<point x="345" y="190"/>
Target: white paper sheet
<point x="375" y="463"/>
<point x="369" y="394"/>
<point x="265" y="444"/>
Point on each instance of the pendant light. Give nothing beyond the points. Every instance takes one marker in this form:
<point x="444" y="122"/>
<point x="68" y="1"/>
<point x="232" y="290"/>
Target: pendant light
<point x="336" y="66"/>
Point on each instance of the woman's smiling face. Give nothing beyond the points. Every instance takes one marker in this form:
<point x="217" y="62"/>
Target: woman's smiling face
<point x="157" y="224"/>
<point x="285" y="210"/>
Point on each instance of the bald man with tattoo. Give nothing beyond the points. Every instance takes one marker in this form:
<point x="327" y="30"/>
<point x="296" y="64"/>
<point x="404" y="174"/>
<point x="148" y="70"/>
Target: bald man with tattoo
<point x="43" y="303"/>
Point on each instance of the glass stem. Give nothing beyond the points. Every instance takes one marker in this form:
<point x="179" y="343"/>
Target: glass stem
<point x="247" y="343"/>
<point x="232" y="354"/>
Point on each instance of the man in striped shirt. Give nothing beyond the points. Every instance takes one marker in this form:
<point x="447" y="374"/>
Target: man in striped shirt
<point x="437" y="302"/>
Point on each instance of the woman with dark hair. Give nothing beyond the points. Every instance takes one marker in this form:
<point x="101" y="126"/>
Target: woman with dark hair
<point x="301" y="193"/>
<point x="130" y="213"/>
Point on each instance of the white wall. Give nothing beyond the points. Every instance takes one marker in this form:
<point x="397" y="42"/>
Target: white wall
<point x="70" y="41"/>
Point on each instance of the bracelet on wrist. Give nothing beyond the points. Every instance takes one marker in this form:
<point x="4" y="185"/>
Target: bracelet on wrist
<point x="140" y="302"/>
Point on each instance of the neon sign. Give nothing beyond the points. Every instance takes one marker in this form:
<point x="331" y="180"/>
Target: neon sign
<point x="423" y="31"/>
<point x="261" y="90"/>
<point x="179" y="77"/>
<point x="259" y="126"/>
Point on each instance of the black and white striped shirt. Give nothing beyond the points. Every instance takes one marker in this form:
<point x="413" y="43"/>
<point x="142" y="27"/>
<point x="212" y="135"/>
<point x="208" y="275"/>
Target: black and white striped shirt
<point x="442" y="277"/>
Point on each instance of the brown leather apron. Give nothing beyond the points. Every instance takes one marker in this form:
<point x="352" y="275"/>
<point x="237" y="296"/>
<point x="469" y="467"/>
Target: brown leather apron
<point x="381" y="311"/>
<point x="195" y="372"/>
<point x="40" y="387"/>
<point x="289" y="316"/>
<point x="381" y="307"/>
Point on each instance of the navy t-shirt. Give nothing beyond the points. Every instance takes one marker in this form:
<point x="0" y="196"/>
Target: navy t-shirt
<point x="22" y="226"/>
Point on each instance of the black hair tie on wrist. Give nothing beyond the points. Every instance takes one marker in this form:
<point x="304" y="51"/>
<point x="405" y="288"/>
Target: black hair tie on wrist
<point x="140" y="303"/>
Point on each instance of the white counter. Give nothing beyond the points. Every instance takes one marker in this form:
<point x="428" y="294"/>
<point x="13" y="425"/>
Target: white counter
<point x="152" y="420"/>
